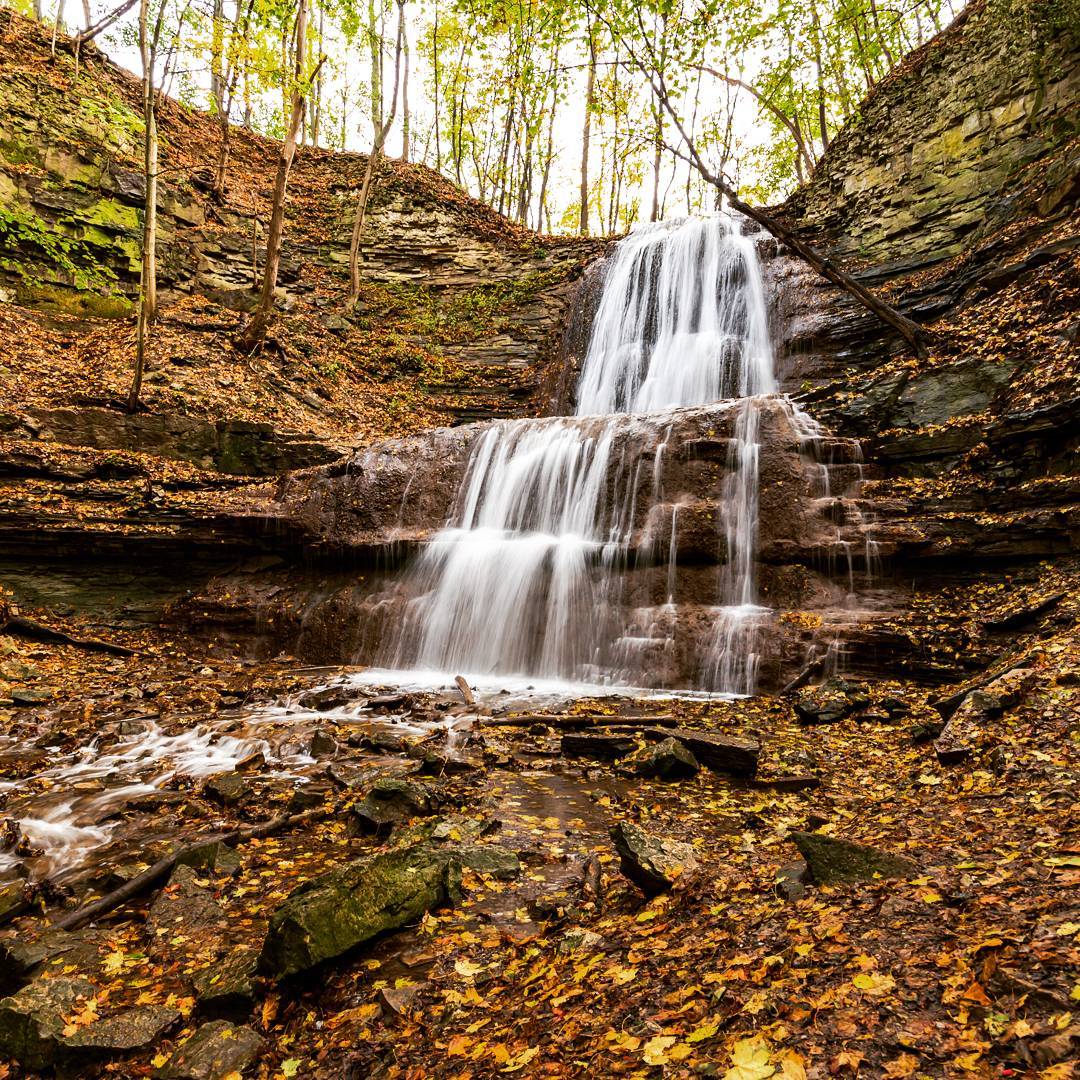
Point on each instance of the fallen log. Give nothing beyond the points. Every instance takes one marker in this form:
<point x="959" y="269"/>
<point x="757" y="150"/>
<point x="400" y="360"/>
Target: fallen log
<point x="20" y="626"/>
<point x="164" y="866"/>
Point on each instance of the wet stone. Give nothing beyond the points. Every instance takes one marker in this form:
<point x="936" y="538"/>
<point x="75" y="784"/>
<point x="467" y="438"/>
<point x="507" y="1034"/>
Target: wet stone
<point x="228" y="789"/>
<point x="389" y="802"/>
<point x="489" y="859"/>
<point x="184" y="918"/>
<point x="667" y="760"/>
<point x="129" y="1030"/>
<point x="216" y="1050"/>
<point x="836" y="862"/>
<point x="720" y="753"/>
<point x="31" y="1021"/>
<point x="833" y="700"/>
<point x="653" y="864"/>
<point x="227" y="984"/>
<point x="322" y="745"/>
<point x="329" y="697"/>
<point x="791" y="881"/>
<point x="213" y="857"/>
<point x="598" y="747"/>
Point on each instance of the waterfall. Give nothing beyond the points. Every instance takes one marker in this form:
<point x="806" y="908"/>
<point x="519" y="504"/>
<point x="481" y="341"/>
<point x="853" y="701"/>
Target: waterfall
<point x="525" y="577"/>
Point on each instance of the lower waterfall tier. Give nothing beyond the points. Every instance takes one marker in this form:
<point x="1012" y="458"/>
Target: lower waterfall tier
<point x="620" y="556"/>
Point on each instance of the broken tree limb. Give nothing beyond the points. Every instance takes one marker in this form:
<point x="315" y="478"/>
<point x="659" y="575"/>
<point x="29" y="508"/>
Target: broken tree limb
<point x="164" y="866"/>
<point x="465" y="688"/>
<point x="20" y="626"/>
<point x="915" y="335"/>
<point x="574" y="722"/>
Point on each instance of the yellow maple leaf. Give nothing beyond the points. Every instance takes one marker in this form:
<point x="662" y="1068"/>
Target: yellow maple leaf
<point x="655" y="1052"/>
<point x="873" y="984"/>
<point x="750" y="1061"/>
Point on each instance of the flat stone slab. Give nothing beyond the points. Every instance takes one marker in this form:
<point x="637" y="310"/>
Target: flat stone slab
<point x="598" y="747"/>
<point x="738" y="757"/>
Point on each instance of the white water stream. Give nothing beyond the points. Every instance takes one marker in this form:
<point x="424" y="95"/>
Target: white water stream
<point x="524" y="578"/>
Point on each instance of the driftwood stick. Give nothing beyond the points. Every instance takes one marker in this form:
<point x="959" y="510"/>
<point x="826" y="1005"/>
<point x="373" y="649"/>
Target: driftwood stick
<point x="466" y="689"/>
<point x="164" y="866"/>
<point x="815" y="667"/>
<point x="573" y="722"/>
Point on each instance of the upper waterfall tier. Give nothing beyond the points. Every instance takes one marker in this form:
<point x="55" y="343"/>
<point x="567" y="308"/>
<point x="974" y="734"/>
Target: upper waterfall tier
<point x="682" y="320"/>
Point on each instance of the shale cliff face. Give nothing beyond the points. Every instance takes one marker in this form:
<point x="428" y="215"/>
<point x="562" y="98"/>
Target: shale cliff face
<point x="462" y="285"/>
<point x="972" y="131"/>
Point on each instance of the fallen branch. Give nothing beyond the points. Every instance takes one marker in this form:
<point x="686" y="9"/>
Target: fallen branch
<point x="163" y="867"/>
<point x="815" y="667"/>
<point x="574" y="722"/>
<point x="20" y="626"/>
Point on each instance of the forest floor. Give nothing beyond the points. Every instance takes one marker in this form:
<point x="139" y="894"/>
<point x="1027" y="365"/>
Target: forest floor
<point x="967" y="966"/>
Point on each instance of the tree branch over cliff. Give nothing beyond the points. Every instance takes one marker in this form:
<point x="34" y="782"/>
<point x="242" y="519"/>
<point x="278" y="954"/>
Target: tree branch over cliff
<point x="915" y="335"/>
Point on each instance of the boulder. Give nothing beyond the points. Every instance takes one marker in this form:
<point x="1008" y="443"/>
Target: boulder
<point x="598" y="747"/>
<point x="667" y="760"/>
<point x="329" y="697"/>
<point x="32" y="1023"/>
<point x="654" y="865"/>
<point x="216" y="1050"/>
<point x="497" y="862"/>
<point x="831" y="701"/>
<point x="390" y="801"/>
<point x="213" y="857"/>
<point x="227" y="984"/>
<point x="835" y="862"/>
<point x="322" y="745"/>
<point x="333" y="913"/>
<point x="228" y="789"/>
<point x="738" y="757"/>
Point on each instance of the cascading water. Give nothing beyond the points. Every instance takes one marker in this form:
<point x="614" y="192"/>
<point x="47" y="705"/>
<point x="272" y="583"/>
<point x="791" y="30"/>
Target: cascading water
<point x="524" y="578"/>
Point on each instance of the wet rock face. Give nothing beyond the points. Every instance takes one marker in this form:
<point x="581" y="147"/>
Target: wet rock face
<point x="387" y="503"/>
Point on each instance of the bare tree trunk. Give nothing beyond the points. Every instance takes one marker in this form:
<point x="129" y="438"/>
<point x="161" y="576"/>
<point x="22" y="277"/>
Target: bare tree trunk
<point x="820" y="78"/>
<point x="253" y="335"/>
<point x="217" y="50"/>
<point x="148" y="271"/>
<point x="369" y="169"/>
<point x="586" y="136"/>
<point x="405" y="117"/>
<point x="57" y="23"/>
<point x="435" y="65"/>
<point x="88" y="18"/>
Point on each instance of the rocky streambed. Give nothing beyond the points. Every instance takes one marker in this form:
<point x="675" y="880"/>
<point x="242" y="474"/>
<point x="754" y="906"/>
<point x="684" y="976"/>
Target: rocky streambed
<point x="362" y="879"/>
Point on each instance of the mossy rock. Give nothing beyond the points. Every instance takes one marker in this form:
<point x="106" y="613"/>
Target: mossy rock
<point x="839" y="862"/>
<point x="332" y="914"/>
